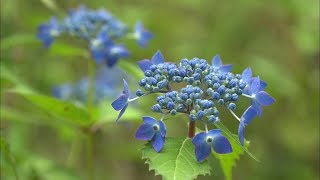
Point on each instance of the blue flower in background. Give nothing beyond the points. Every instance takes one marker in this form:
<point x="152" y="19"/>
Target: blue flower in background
<point x="217" y="63"/>
<point x="121" y="103"/>
<point x="157" y="58"/>
<point x="152" y="130"/>
<point x="141" y="35"/>
<point x="104" y="86"/>
<point x="245" y="119"/>
<point x="103" y="49"/>
<point x="48" y="31"/>
<point x="258" y="97"/>
<point x="203" y="143"/>
<point x="99" y="29"/>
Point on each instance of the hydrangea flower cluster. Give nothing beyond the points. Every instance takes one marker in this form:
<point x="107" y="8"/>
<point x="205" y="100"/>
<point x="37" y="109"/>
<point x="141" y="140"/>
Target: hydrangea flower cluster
<point x="105" y="87"/>
<point x="205" y="88"/>
<point x="99" y="29"/>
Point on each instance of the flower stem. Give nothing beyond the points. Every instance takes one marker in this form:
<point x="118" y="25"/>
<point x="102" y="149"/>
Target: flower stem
<point x="89" y="156"/>
<point x="192" y="127"/>
<point x="91" y="84"/>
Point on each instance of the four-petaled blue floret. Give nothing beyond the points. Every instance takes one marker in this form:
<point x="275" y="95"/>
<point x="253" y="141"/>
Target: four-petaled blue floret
<point x="205" y="141"/>
<point x="203" y="88"/>
<point x="99" y="29"/>
<point x="121" y="103"/>
<point x="152" y="130"/>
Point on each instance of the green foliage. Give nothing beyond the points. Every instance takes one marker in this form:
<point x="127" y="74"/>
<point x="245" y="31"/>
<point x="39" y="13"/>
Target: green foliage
<point x="176" y="161"/>
<point x="7" y="156"/>
<point x="228" y="161"/>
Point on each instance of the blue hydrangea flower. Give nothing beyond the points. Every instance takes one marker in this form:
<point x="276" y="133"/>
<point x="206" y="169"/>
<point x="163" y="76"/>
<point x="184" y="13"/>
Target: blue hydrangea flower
<point x="99" y="29"/>
<point x="48" y="31"/>
<point x="259" y="97"/>
<point x="154" y="131"/>
<point x="245" y="119"/>
<point x="203" y="143"/>
<point x="141" y="34"/>
<point x="157" y="58"/>
<point x="121" y="103"/>
<point x="217" y="63"/>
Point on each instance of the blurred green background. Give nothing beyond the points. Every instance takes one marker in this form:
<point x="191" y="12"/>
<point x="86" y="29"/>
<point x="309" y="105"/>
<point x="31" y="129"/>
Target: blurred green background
<point x="279" y="40"/>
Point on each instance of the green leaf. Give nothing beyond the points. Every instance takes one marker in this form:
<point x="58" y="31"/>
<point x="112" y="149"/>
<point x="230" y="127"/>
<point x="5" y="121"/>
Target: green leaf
<point x="18" y="39"/>
<point x="64" y="49"/>
<point x="228" y="161"/>
<point x="234" y="139"/>
<point x="176" y="160"/>
<point x="5" y="152"/>
<point x="58" y="108"/>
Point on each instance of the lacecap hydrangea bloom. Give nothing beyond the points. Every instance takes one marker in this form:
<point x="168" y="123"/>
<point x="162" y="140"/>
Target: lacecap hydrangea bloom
<point x="99" y="29"/>
<point x="203" y="89"/>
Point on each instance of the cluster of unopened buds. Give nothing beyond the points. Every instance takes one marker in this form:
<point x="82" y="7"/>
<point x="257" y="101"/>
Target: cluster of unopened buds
<point x="205" y="88"/>
<point x="99" y="29"/>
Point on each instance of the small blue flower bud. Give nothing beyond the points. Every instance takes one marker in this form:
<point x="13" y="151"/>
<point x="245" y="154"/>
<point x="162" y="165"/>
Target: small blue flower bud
<point x="153" y="67"/>
<point x="156" y="108"/>
<point x="212" y="119"/>
<point x="170" y="105"/>
<point x="215" y="95"/>
<point x="221" y="89"/>
<point x="139" y="92"/>
<point x="192" y="117"/>
<point x="200" y="114"/>
<point x="190" y="80"/>
<point x="209" y="91"/>
<point x="227" y="97"/>
<point x="232" y="106"/>
<point x="148" y="73"/>
<point x="155" y="89"/>
<point x="197" y="76"/>
<point x="189" y="102"/>
<point x="173" y="112"/>
<point x="142" y="82"/>
<point x="234" y="97"/>
<point x="220" y="102"/>
<point x="216" y="85"/>
<point x="181" y="108"/>
<point x="242" y="85"/>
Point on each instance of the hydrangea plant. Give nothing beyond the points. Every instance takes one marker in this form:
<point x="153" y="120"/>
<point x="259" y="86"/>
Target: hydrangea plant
<point x="199" y="90"/>
<point x="99" y="28"/>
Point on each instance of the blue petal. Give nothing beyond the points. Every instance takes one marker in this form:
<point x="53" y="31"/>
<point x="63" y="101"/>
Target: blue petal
<point x="120" y="103"/>
<point x="216" y="61"/>
<point x="163" y="129"/>
<point x="214" y="132"/>
<point x="241" y="132"/>
<point x="111" y="60"/>
<point x="246" y="75"/>
<point x="97" y="54"/>
<point x="145" y="38"/>
<point x="264" y="98"/>
<point x="144" y="64"/>
<point x="255" y="85"/>
<point x="221" y="145"/>
<point x="157" y="142"/>
<point x="149" y="120"/>
<point x="263" y="85"/>
<point x="157" y="58"/>
<point x="225" y="68"/>
<point x="248" y="115"/>
<point x="138" y="26"/>
<point x="199" y="139"/>
<point x="257" y="107"/>
<point x="125" y="88"/>
<point x="145" y="132"/>
<point x="202" y="151"/>
<point x="121" y="112"/>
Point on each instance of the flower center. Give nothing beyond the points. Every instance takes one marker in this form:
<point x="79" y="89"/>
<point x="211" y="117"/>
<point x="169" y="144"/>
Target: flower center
<point x="209" y="139"/>
<point x="156" y="128"/>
